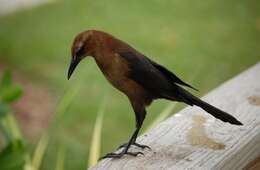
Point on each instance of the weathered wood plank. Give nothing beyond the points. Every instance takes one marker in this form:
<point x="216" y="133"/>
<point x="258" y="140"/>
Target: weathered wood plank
<point x="192" y="139"/>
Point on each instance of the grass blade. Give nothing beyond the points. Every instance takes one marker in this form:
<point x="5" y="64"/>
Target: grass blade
<point x="66" y="100"/>
<point x="39" y="152"/>
<point x="13" y="127"/>
<point x="60" y="158"/>
<point x="95" y="146"/>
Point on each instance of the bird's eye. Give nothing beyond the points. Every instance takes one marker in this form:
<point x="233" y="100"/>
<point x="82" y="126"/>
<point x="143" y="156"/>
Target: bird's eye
<point x="80" y="51"/>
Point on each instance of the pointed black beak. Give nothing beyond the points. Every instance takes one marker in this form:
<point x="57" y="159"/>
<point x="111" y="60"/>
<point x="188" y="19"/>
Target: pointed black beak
<point x="73" y="64"/>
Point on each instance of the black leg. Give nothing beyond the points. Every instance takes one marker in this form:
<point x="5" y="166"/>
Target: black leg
<point x="139" y="115"/>
<point x="125" y="150"/>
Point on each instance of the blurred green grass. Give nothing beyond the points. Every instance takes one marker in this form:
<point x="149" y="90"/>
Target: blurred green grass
<point x="204" y="43"/>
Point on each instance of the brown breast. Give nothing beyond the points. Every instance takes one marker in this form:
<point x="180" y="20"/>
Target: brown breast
<point x="116" y="71"/>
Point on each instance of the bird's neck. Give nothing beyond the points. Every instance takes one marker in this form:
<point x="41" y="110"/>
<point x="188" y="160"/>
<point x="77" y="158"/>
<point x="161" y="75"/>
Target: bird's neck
<point x="103" y="60"/>
<point x="103" y="52"/>
<point x="106" y="51"/>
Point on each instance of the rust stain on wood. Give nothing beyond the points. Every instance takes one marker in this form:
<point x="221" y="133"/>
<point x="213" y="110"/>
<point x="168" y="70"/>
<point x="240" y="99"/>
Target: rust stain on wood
<point x="197" y="135"/>
<point x="254" y="165"/>
<point x="254" y="100"/>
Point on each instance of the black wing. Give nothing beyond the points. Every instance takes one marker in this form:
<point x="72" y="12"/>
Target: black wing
<point x="170" y="76"/>
<point x="153" y="80"/>
<point x="146" y="70"/>
<point x="145" y="74"/>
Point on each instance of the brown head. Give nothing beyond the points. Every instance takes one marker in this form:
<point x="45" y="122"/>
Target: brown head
<point x="82" y="47"/>
<point x="89" y="43"/>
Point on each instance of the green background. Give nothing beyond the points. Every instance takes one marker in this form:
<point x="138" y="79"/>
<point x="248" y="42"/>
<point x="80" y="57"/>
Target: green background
<point x="203" y="42"/>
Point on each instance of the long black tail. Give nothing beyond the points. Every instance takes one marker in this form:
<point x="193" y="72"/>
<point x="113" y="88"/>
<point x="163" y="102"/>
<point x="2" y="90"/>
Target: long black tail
<point x="217" y="113"/>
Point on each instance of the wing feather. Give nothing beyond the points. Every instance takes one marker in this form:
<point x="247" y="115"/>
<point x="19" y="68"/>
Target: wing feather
<point x="146" y="71"/>
<point x="171" y="76"/>
<point x="145" y="74"/>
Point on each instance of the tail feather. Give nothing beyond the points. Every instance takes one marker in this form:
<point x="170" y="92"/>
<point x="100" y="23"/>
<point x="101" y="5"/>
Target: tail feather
<point x="217" y="113"/>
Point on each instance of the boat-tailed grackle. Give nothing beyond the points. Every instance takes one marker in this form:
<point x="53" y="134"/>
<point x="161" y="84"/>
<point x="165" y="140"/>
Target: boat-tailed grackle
<point x="138" y="77"/>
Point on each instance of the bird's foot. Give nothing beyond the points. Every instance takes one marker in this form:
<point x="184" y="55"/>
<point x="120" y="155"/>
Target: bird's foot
<point x="119" y="155"/>
<point x="135" y="144"/>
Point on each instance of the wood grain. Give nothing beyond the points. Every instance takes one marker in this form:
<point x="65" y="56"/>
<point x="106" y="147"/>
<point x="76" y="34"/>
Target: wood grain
<point x="192" y="139"/>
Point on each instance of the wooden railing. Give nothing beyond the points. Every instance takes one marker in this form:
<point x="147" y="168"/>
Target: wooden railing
<point x="192" y="139"/>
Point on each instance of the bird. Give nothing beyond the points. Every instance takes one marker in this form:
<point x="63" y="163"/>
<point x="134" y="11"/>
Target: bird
<point x="140" y="78"/>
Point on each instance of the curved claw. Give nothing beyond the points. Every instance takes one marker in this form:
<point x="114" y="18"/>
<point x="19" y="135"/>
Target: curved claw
<point x="135" y="144"/>
<point x="111" y="155"/>
<point x="119" y="155"/>
<point x="134" y="153"/>
<point x="122" y="146"/>
<point x="142" y="146"/>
